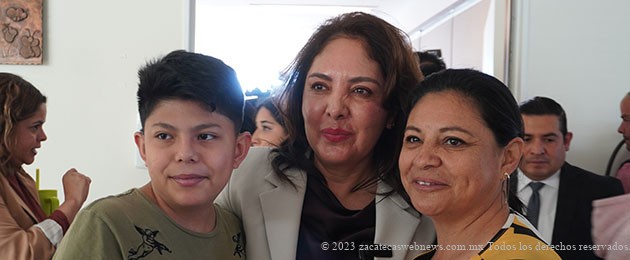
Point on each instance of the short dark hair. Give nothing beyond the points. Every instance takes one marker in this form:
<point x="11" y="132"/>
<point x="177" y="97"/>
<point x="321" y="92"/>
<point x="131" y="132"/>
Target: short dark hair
<point x="19" y="100"/>
<point x="430" y="63"/>
<point x="193" y="77"/>
<point x="542" y="106"/>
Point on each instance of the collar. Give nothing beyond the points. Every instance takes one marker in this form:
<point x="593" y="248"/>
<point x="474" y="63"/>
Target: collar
<point x="523" y="180"/>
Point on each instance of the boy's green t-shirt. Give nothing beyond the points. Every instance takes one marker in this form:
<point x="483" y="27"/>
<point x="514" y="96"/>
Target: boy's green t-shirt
<point x="128" y="226"/>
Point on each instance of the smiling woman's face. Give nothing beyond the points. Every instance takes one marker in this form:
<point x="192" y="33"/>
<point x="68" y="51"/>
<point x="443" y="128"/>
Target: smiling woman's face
<point x="342" y="104"/>
<point x="450" y="161"/>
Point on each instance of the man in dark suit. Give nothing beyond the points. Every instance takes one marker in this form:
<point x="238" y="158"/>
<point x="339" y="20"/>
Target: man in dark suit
<point x="558" y="195"/>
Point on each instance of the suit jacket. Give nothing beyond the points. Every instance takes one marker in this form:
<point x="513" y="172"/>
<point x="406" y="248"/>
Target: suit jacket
<point x="572" y="225"/>
<point x="19" y="238"/>
<point x="271" y="210"/>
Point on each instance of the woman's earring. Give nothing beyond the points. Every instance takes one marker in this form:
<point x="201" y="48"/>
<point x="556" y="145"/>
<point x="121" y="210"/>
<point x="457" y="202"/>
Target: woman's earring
<point x="506" y="182"/>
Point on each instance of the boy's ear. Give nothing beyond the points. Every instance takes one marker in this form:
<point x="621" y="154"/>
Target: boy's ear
<point x="138" y="138"/>
<point x="243" y="142"/>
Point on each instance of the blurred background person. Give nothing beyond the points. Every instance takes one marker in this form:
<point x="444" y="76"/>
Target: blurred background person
<point x="270" y="128"/>
<point x="430" y="63"/>
<point x="25" y="230"/>
<point x="462" y="141"/>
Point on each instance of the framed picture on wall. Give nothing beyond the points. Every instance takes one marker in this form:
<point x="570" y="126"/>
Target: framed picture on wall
<point x="22" y="35"/>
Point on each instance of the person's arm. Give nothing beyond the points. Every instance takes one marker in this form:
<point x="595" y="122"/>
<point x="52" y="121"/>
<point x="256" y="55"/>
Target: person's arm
<point x="75" y="189"/>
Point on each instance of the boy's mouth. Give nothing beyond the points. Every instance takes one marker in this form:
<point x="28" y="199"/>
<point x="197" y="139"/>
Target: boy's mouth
<point x="188" y="180"/>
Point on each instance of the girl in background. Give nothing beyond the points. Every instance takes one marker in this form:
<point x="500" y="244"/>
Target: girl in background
<point x="270" y="128"/>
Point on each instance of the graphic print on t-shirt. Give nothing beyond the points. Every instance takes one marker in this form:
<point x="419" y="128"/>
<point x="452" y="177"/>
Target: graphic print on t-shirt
<point x="148" y="244"/>
<point x="240" y="247"/>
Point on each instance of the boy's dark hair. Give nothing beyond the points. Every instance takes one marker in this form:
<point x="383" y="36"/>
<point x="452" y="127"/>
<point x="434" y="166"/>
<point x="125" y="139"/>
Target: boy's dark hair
<point x="194" y="77"/>
<point x="544" y="106"/>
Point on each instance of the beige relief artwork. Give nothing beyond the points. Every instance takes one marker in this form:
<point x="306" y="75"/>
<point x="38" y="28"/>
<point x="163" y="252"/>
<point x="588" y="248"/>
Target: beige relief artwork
<point x="21" y="24"/>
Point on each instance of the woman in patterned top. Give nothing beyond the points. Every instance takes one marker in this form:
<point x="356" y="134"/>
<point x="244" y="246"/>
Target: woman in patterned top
<point x="462" y="140"/>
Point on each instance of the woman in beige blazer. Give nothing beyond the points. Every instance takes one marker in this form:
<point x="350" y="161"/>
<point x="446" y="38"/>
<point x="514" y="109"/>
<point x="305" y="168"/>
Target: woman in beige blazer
<point x="25" y="231"/>
<point x="332" y="190"/>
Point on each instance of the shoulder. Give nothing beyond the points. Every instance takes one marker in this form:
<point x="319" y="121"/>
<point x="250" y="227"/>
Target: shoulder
<point x="587" y="177"/>
<point x="519" y="241"/>
<point x="256" y="165"/>
<point x="116" y="206"/>
<point x="227" y="220"/>
<point x="257" y="169"/>
<point x="588" y="185"/>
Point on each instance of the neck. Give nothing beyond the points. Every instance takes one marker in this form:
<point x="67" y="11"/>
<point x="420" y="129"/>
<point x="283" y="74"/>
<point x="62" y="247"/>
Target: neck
<point x="200" y="220"/>
<point x="472" y="229"/>
<point x="342" y="179"/>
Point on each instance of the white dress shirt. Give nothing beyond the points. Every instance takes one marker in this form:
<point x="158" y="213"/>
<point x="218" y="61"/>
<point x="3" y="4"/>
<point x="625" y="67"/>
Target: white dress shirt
<point x="548" y="201"/>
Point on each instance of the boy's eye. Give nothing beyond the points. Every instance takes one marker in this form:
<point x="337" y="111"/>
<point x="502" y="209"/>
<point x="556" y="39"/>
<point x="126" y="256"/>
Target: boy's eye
<point x="206" y="137"/>
<point x="162" y="136"/>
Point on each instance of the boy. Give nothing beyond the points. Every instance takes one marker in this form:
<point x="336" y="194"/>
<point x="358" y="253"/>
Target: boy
<point x="191" y="110"/>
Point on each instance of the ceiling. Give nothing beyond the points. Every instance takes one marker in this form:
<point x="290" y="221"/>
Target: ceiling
<point x="406" y="14"/>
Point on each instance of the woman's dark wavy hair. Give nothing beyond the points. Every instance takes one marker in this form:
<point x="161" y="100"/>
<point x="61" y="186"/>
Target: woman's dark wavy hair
<point x="491" y="97"/>
<point x="386" y="45"/>
<point x="19" y="100"/>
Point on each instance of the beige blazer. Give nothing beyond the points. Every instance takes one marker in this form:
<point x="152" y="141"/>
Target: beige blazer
<point x="271" y="210"/>
<point x="19" y="239"/>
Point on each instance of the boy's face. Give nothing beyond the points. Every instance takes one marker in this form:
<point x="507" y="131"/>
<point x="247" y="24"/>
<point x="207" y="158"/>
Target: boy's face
<point x="190" y="153"/>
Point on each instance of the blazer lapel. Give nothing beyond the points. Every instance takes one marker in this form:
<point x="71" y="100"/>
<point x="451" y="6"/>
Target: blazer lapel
<point x="12" y="195"/>
<point x="282" y="212"/>
<point x="567" y="204"/>
<point x="390" y="210"/>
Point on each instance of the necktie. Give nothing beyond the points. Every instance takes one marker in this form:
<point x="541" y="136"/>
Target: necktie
<point x="533" y="207"/>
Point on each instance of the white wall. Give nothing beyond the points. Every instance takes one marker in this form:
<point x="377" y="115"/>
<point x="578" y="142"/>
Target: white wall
<point x="92" y="52"/>
<point x="409" y="14"/>
<point x="577" y="53"/>
<point x="474" y="38"/>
